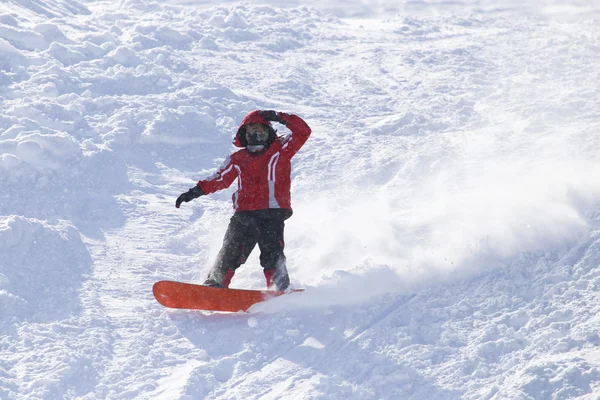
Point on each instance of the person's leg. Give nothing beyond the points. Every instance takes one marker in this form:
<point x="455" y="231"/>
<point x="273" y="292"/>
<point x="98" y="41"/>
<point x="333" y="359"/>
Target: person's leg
<point x="270" y="241"/>
<point x="238" y="243"/>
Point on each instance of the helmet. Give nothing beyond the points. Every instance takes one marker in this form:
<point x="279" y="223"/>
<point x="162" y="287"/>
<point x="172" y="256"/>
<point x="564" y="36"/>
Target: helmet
<point x="252" y="118"/>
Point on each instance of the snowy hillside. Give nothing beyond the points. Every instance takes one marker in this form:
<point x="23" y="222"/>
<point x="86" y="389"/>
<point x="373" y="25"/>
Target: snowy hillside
<point x="446" y="208"/>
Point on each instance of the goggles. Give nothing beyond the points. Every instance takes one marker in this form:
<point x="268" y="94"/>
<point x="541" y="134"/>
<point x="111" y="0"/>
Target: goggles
<point x="257" y="135"/>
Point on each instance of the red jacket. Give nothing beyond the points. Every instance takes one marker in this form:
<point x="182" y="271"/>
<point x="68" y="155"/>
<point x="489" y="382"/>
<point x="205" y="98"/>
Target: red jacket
<point x="263" y="179"/>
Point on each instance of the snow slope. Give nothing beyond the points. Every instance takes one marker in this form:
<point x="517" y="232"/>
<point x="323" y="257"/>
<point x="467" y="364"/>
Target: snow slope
<point x="447" y="218"/>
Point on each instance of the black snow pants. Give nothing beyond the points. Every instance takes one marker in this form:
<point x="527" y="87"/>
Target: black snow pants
<point x="247" y="229"/>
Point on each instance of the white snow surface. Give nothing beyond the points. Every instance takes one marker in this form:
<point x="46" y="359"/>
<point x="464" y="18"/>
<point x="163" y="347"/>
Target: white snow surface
<point x="447" y="205"/>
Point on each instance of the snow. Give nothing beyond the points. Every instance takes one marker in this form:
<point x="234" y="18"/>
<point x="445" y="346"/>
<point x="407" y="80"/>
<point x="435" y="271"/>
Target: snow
<point x="446" y="219"/>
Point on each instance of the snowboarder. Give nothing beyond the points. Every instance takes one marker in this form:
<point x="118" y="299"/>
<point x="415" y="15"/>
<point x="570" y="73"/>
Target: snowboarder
<point x="262" y="201"/>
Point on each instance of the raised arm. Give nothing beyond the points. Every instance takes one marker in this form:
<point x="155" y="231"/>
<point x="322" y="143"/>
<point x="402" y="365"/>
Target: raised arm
<point x="300" y="129"/>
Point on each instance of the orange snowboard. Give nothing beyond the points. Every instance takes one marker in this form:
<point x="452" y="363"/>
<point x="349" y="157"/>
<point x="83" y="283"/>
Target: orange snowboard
<point x="198" y="297"/>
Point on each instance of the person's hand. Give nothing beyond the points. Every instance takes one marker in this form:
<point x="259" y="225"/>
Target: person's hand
<point x="272" y="115"/>
<point x="190" y="195"/>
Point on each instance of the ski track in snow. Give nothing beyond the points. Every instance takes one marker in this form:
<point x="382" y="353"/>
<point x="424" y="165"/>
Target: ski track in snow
<point x="446" y="221"/>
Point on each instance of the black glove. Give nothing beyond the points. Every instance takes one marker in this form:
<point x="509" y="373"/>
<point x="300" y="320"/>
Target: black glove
<point x="190" y="195"/>
<point x="272" y="115"/>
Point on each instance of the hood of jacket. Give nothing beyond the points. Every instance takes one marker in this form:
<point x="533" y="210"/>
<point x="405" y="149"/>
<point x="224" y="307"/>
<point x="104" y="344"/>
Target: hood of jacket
<point x="252" y="117"/>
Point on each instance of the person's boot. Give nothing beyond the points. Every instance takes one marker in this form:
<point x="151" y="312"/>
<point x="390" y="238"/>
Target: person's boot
<point x="213" y="279"/>
<point x="278" y="277"/>
<point x="212" y="283"/>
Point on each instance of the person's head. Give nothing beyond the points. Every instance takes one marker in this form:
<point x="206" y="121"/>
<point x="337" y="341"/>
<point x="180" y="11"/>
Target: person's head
<point x="255" y="133"/>
<point x="257" y="137"/>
